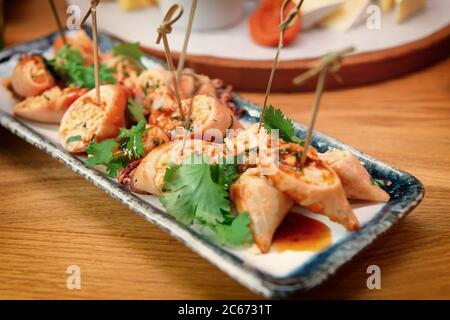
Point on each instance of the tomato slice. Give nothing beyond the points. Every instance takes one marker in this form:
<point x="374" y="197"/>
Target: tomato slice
<point x="264" y="24"/>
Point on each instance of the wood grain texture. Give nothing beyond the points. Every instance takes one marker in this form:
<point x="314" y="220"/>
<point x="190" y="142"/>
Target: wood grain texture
<point x="50" y="218"/>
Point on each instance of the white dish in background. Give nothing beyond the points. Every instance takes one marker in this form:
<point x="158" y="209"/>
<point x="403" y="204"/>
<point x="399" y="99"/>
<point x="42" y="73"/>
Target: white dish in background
<point x="210" y="14"/>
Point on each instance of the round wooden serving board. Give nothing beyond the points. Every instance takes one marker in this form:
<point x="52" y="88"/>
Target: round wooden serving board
<point x="357" y="69"/>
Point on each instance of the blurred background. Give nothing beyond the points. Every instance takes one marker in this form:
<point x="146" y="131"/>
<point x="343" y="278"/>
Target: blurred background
<point x="235" y="40"/>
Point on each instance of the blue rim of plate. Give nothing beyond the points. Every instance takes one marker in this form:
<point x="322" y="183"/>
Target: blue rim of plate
<point x="405" y="190"/>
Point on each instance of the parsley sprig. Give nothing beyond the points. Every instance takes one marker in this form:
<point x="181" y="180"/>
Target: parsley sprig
<point x="68" y="65"/>
<point x="117" y="153"/>
<point x="197" y="194"/>
<point x="275" y="119"/>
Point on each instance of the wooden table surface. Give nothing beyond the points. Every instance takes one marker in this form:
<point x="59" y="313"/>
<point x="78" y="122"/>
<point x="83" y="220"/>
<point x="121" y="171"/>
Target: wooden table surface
<point x="50" y="218"/>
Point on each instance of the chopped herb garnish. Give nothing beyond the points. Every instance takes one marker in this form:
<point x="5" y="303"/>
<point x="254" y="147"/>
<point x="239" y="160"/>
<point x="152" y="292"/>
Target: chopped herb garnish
<point x="156" y="142"/>
<point x="146" y="87"/>
<point x="377" y="182"/>
<point x="275" y="119"/>
<point x="135" y="110"/>
<point x="73" y="139"/>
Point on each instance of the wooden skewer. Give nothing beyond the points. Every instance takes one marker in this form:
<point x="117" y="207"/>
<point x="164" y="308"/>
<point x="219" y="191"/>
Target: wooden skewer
<point x="330" y="62"/>
<point x="312" y="120"/>
<point x="284" y="24"/>
<point x="186" y="39"/>
<point x="164" y="29"/>
<point x="96" y="58"/>
<point x="86" y="16"/>
<point x="180" y="68"/>
<point x="93" y="11"/>
<point x="94" y="3"/>
<point x="332" y="58"/>
<point x="58" y="21"/>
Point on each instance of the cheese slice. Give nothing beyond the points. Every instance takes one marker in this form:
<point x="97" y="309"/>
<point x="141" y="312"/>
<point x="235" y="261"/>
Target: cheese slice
<point x="314" y="11"/>
<point x="348" y="15"/>
<point x="407" y="8"/>
<point x="387" y="5"/>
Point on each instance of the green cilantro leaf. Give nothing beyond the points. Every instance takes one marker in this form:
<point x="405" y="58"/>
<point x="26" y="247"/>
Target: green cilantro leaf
<point x="234" y="232"/>
<point x="224" y="174"/>
<point x="116" y="153"/>
<point x="100" y="152"/>
<point x="67" y="55"/>
<point x="237" y="233"/>
<point x="68" y="65"/>
<point x="197" y="194"/>
<point x="132" y="144"/>
<point x="82" y="76"/>
<point x="192" y="193"/>
<point x="114" y="166"/>
<point x="275" y="119"/>
<point x="135" y="110"/>
<point x="128" y="49"/>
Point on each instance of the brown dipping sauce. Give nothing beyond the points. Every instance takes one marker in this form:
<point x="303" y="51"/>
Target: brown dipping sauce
<point x="301" y="233"/>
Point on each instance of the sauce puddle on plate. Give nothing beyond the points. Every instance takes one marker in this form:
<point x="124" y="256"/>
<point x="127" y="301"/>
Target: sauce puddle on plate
<point x="301" y="233"/>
